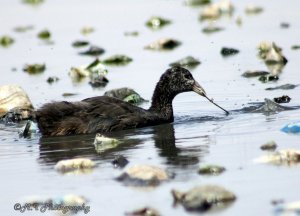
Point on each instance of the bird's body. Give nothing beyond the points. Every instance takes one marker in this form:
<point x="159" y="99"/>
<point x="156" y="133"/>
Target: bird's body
<point x="103" y="114"/>
<point x="92" y="115"/>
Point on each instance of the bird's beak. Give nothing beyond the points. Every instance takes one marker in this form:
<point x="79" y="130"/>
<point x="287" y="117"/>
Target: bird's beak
<point x="198" y="89"/>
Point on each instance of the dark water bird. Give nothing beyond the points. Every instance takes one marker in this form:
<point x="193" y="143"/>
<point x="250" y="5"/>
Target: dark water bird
<point x="104" y="114"/>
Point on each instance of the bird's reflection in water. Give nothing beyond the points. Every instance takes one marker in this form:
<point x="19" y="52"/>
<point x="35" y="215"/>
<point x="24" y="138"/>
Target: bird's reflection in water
<point x="53" y="149"/>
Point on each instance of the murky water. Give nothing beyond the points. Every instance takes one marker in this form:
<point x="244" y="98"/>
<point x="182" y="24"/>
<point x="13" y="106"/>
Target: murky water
<point x="201" y="133"/>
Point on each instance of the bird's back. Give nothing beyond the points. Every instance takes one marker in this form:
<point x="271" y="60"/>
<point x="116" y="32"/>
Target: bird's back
<point x="91" y="115"/>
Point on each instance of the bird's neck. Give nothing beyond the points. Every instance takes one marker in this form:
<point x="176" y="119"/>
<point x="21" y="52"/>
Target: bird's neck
<point x="162" y="101"/>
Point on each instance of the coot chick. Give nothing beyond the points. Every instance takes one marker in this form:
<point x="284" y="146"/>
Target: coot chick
<point x="103" y="114"/>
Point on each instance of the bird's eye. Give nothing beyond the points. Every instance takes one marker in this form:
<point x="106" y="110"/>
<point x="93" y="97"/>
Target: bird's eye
<point x="187" y="76"/>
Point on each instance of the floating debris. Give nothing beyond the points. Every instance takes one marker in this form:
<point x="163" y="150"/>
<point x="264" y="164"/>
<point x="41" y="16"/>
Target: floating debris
<point x="33" y="2"/>
<point x="163" y="44"/>
<point x="120" y="162"/>
<point x="252" y="9"/>
<point x="211" y="170"/>
<point x="117" y="60"/>
<point x="103" y="143"/>
<point x="143" y="212"/>
<point x="157" y="22"/>
<point x="226" y="51"/>
<point x="93" y="51"/>
<point x="68" y="94"/>
<point x="293" y="127"/>
<point x="53" y="79"/>
<point x="211" y="29"/>
<point x="291" y="209"/>
<point x="269" y="146"/>
<point x="282" y="99"/>
<point x="283" y="157"/>
<point x="80" y="43"/>
<point x="189" y="62"/>
<point x="203" y="198"/>
<point x="295" y="47"/>
<point x="268" y="78"/>
<point x="197" y="2"/>
<point x="70" y="165"/>
<point x="214" y="11"/>
<point x="6" y="41"/>
<point x="99" y="81"/>
<point x="21" y="29"/>
<point x="271" y="53"/>
<point x="44" y="35"/>
<point x="132" y="33"/>
<point x="144" y="175"/>
<point x="77" y="73"/>
<point x="125" y="94"/>
<point x="249" y="74"/>
<point x="284" y="25"/>
<point x="34" y="68"/>
<point x="87" y="30"/>
<point x="14" y="97"/>
<point x="29" y="129"/>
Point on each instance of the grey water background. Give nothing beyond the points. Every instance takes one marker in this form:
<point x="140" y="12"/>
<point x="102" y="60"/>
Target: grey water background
<point x="201" y="133"/>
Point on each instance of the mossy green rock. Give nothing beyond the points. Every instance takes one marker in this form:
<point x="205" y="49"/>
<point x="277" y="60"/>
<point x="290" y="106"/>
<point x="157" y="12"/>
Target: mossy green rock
<point x="211" y="170"/>
<point x="157" y="22"/>
<point x="6" y="41"/>
<point x="34" y="68"/>
<point x="117" y="60"/>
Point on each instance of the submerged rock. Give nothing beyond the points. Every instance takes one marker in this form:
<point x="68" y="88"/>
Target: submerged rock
<point x="34" y="68"/>
<point x="249" y="74"/>
<point x="269" y="146"/>
<point x="284" y="25"/>
<point x="131" y="33"/>
<point x="126" y="94"/>
<point x="80" y="43"/>
<point x="252" y="9"/>
<point x="282" y="99"/>
<point x="143" y="175"/>
<point x="143" y="212"/>
<point x="268" y="78"/>
<point x="33" y="2"/>
<point x="270" y="106"/>
<point x="87" y="30"/>
<point x="214" y="11"/>
<point x="291" y="128"/>
<point x="76" y="164"/>
<point x="226" y="51"/>
<point x="44" y="35"/>
<point x="6" y="41"/>
<point x="93" y="51"/>
<point x="69" y="94"/>
<point x="117" y="60"/>
<point x="103" y="143"/>
<point x="283" y="157"/>
<point x="12" y="98"/>
<point x="120" y="162"/>
<point x="157" y="22"/>
<point x="203" y="198"/>
<point x="99" y="81"/>
<point x="211" y="170"/>
<point x="295" y="47"/>
<point x="52" y="79"/>
<point x="163" y="44"/>
<point x="284" y="87"/>
<point x="188" y="61"/>
<point x="211" y="29"/>
<point x="21" y="29"/>
<point x="197" y="2"/>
